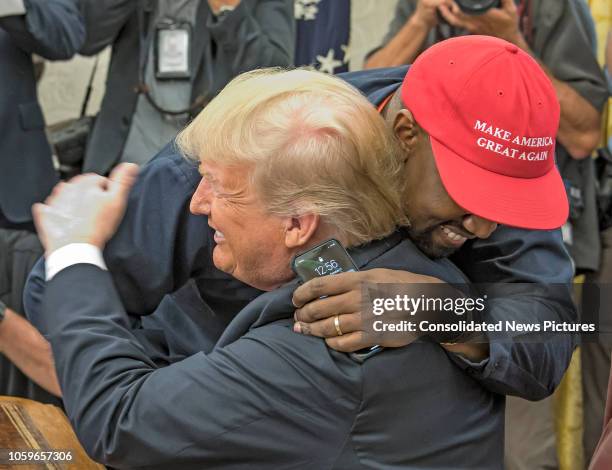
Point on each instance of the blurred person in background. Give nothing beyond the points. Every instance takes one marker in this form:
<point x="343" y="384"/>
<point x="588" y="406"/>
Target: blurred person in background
<point x="169" y="59"/>
<point x="53" y="30"/>
<point x="558" y="33"/>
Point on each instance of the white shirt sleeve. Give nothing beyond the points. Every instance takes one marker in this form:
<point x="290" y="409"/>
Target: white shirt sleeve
<point x="12" y="7"/>
<point x="74" y="253"/>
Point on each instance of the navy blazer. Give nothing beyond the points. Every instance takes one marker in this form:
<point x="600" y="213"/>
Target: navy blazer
<point x="160" y="246"/>
<point x="54" y="30"/>
<point x="265" y="397"/>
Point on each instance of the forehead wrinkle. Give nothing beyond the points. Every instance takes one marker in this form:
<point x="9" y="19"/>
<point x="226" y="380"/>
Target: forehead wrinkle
<point x="233" y="187"/>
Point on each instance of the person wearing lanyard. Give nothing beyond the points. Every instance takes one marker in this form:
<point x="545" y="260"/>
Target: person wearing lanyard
<point x="169" y="58"/>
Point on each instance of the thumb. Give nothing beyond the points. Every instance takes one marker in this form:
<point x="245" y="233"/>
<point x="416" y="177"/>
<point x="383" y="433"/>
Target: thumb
<point x="122" y="178"/>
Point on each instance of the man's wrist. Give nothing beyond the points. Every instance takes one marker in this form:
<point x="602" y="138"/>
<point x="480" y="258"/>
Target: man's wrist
<point x="519" y="41"/>
<point x="54" y="245"/>
<point x="474" y="352"/>
<point x="419" y="23"/>
<point x="71" y="254"/>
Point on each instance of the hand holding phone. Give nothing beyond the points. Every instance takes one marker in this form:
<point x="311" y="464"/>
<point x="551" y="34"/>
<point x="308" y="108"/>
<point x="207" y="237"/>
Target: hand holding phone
<point x="326" y="259"/>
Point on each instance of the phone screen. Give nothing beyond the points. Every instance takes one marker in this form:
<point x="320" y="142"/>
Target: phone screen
<point x="329" y="257"/>
<point x="325" y="259"/>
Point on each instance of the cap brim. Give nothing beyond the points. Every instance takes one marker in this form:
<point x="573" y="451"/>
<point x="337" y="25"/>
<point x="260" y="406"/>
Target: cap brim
<point x="532" y="203"/>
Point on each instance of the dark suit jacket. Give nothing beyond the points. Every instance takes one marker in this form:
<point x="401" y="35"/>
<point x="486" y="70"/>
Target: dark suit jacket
<point x="265" y="397"/>
<point x="258" y="33"/>
<point x="54" y="30"/>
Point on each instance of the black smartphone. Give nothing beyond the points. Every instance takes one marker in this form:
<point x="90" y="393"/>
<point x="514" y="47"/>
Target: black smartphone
<point x="326" y="259"/>
<point x="329" y="257"/>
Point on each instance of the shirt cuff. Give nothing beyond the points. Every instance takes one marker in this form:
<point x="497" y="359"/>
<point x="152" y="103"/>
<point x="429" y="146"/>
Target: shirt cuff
<point x="476" y="367"/>
<point x="69" y="255"/>
<point x="12" y="7"/>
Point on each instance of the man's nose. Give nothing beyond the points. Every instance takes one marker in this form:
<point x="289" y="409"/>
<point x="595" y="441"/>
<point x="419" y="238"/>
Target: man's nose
<point x="481" y="228"/>
<point x="200" y="201"/>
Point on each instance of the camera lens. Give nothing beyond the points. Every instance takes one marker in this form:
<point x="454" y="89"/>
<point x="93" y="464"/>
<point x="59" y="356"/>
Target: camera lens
<point x="477" y="7"/>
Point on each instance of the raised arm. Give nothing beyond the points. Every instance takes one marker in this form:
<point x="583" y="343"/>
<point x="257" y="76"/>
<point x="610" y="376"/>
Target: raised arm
<point x="159" y="244"/>
<point x="528" y="369"/>
<point x="228" y="406"/>
<point x="407" y="35"/>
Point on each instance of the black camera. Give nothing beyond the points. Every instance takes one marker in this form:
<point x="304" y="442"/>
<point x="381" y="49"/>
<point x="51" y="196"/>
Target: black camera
<point x="477" y="7"/>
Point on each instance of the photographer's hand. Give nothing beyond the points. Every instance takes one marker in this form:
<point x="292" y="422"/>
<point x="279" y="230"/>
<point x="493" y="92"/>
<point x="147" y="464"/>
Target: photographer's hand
<point x="426" y="12"/>
<point x="410" y="39"/>
<point x="217" y="5"/>
<point x="500" y="22"/>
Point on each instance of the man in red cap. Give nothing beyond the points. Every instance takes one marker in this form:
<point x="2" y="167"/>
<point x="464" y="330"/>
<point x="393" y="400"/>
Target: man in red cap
<point x="560" y="35"/>
<point x="491" y="117"/>
<point x="476" y="118"/>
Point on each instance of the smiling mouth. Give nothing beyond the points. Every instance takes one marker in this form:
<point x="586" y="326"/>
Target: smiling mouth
<point x="218" y="236"/>
<point x="451" y="235"/>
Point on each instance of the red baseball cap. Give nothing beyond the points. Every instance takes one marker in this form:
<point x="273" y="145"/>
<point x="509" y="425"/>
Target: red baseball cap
<point x="492" y="115"/>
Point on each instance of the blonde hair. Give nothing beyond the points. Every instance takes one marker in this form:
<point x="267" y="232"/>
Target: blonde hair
<point x="315" y="144"/>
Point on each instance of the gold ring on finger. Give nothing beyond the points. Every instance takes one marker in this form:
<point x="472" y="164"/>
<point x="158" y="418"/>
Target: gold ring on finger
<point x="337" y="325"/>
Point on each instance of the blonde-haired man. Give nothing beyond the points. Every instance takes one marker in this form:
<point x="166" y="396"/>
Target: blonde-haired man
<point x="298" y="155"/>
<point x="264" y="397"/>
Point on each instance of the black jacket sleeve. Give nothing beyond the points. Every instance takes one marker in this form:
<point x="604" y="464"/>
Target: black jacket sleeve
<point x="260" y="36"/>
<point x="159" y="245"/>
<point x="525" y="368"/>
<point x="53" y="29"/>
<point x="104" y="20"/>
<point x="231" y="406"/>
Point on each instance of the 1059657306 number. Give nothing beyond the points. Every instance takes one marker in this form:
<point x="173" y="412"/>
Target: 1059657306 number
<point x="12" y="456"/>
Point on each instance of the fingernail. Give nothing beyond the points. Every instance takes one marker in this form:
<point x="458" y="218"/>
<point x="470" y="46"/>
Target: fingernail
<point x="297" y="327"/>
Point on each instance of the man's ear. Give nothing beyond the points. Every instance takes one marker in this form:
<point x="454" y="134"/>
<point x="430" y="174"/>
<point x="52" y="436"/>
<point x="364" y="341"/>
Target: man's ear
<point x="300" y="230"/>
<point x="406" y="130"/>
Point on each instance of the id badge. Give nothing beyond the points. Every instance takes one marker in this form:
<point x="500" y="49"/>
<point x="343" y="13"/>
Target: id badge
<point x="173" y="51"/>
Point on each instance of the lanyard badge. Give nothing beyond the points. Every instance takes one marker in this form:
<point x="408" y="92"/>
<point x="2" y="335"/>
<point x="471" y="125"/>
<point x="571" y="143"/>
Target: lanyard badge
<point x="172" y="50"/>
